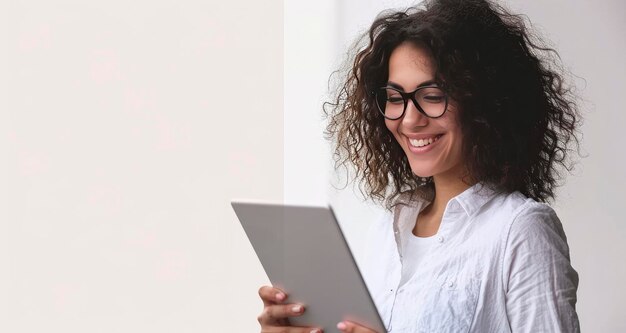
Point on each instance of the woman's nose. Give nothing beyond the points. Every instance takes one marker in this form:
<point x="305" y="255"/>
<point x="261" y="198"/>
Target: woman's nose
<point x="413" y="116"/>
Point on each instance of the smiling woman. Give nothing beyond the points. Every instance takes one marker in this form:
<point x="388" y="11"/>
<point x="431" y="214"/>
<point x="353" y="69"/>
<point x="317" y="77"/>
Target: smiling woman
<point x="457" y="121"/>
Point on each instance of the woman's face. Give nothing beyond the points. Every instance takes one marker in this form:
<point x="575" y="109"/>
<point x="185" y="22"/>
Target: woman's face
<point x="410" y="66"/>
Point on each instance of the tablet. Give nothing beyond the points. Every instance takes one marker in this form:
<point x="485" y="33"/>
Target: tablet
<point x="304" y="253"/>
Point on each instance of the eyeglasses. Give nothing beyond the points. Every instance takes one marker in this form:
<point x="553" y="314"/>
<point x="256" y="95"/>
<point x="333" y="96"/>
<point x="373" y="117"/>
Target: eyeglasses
<point x="432" y="101"/>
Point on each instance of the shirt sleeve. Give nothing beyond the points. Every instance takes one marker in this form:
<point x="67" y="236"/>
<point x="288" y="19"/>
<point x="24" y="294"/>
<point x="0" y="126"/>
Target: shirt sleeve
<point x="540" y="283"/>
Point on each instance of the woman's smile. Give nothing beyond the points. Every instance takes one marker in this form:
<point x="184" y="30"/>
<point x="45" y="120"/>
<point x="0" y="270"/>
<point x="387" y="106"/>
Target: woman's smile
<point x="419" y="146"/>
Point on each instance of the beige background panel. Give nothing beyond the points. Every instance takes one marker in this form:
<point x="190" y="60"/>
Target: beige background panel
<point x="128" y="127"/>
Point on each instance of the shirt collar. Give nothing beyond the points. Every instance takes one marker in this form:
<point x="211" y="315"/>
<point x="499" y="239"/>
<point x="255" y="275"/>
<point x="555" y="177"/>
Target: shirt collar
<point x="473" y="198"/>
<point x="468" y="201"/>
<point x="458" y="208"/>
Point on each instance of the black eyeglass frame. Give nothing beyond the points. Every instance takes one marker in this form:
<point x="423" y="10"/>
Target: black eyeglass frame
<point x="410" y="95"/>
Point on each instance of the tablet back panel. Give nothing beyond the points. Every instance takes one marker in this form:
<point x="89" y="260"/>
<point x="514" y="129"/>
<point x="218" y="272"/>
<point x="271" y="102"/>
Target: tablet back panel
<point x="303" y="252"/>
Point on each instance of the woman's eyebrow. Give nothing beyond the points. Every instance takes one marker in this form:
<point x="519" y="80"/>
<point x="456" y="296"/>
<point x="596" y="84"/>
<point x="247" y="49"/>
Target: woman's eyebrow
<point x="425" y="83"/>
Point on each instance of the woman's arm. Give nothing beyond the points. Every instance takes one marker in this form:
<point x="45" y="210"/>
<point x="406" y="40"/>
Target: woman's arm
<point x="539" y="280"/>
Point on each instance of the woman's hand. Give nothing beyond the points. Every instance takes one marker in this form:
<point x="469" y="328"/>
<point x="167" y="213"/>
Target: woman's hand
<point x="350" y="327"/>
<point x="275" y="315"/>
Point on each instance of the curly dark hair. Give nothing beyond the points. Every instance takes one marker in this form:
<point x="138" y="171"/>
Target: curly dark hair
<point x="518" y="116"/>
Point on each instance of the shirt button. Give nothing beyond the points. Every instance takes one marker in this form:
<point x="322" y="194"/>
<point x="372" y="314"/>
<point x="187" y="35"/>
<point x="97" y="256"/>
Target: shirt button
<point x="440" y="239"/>
<point x="450" y="284"/>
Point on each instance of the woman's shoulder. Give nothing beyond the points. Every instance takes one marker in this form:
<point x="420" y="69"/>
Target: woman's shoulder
<point x="536" y="218"/>
<point x="516" y="206"/>
<point x="525" y="210"/>
<point x="513" y="215"/>
<point x="531" y="221"/>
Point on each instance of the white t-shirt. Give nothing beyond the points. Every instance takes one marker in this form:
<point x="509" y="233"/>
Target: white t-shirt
<point x="415" y="250"/>
<point x="500" y="263"/>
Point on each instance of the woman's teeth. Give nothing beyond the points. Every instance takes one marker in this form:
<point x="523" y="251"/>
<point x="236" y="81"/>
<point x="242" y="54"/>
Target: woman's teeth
<point x="423" y="142"/>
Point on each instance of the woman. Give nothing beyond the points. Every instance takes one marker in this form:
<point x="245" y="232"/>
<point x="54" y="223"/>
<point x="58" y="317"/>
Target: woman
<point x="458" y="122"/>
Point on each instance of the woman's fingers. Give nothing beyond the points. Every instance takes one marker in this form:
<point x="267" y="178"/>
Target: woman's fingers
<point x="271" y="295"/>
<point x="350" y="327"/>
<point x="274" y="313"/>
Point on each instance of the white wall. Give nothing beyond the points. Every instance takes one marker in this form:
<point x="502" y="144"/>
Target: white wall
<point x="127" y="126"/>
<point x="310" y="28"/>
<point x="589" y="36"/>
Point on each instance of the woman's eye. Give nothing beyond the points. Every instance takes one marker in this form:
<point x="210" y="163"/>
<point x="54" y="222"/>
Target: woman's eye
<point x="395" y="99"/>
<point x="434" y="98"/>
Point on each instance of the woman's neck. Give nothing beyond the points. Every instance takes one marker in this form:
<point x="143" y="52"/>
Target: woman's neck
<point x="446" y="189"/>
<point x="447" y="186"/>
<point x="429" y="219"/>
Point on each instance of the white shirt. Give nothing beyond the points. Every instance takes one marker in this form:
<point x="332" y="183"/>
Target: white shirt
<point x="500" y="264"/>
